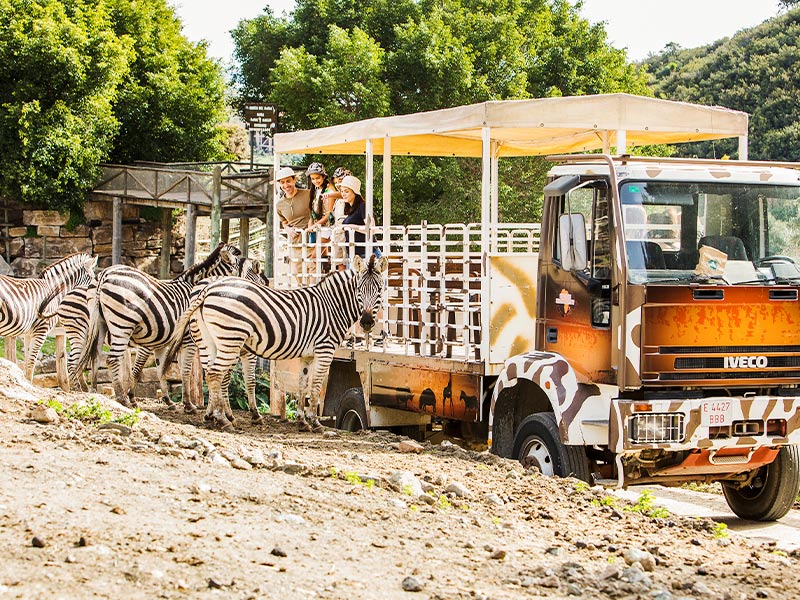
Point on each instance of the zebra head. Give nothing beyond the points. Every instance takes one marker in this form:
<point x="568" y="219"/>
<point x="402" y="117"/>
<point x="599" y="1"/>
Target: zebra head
<point x="223" y="260"/>
<point x="370" y="288"/>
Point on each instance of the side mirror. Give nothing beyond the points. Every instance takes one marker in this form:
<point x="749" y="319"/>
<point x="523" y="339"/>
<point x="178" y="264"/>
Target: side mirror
<point x="572" y="241"/>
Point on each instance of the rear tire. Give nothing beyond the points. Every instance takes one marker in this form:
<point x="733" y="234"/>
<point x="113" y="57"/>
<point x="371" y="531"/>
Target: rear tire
<point x="352" y="413"/>
<point x="538" y="444"/>
<point x="772" y="492"/>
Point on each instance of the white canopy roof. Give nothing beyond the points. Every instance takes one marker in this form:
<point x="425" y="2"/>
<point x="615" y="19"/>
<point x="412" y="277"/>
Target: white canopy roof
<point x="526" y="127"/>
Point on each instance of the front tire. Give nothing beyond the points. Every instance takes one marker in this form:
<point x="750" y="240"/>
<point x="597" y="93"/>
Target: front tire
<point x="773" y="490"/>
<point x="538" y="444"/>
<point x="352" y="413"/>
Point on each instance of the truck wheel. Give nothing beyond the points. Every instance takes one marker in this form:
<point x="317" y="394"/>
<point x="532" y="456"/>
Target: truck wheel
<point x="352" y="414"/>
<point x="538" y="444"/>
<point x="773" y="490"/>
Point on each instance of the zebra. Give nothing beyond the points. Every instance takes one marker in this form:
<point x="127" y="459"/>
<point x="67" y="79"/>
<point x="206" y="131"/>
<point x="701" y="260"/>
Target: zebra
<point x="136" y="308"/>
<point x="22" y="301"/>
<point x="74" y="313"/>
<point x="233" y="316"/>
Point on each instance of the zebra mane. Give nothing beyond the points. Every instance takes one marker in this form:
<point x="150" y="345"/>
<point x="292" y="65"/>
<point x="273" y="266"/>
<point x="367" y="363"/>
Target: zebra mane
<point x="189" y="273"/>
<point x="72" y="258"/>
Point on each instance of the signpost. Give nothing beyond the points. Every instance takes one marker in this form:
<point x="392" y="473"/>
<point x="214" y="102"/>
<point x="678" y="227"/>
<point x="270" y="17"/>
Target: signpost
<point x="262" y="116"/>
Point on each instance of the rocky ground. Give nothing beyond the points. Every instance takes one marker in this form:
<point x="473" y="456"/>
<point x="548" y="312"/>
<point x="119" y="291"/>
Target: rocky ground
<point x="170" y="509"/>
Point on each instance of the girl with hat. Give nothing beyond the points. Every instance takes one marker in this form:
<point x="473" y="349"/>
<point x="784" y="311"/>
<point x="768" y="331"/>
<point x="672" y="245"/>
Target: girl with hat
<point x="320" y="206"/>
<point x="356" y="209"/>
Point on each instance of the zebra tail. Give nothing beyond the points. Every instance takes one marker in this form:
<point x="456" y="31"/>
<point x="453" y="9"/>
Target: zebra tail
<point x="181" y="324"/>
<point x="93" y="342"/>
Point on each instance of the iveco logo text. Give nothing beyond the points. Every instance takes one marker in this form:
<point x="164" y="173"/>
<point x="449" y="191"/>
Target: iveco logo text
<point x="746" y="362"/>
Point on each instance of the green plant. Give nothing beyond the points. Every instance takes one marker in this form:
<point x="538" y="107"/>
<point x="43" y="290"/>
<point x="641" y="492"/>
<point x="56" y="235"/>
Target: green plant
<point x="444" y="503"/>
<point x="408" y="489"/>
<point x="130" y="419"/>
<point x="90" y="412"/>
<point x="607" y="500"/>
<point x="581" y="486"/>
<point x="720" y="531"/>
<point x="645" y="506"/>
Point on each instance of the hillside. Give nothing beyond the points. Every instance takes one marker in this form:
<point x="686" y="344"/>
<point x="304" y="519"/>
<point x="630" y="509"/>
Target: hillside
<point x="755" y="71"/>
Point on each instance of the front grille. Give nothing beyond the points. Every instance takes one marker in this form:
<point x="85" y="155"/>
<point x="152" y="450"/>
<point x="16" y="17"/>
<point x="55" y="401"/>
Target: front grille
<point x="727" y="349"/>
<point x="653" y="428"/>
<point x="718" y="362"/>
<point x="729" y="375"/>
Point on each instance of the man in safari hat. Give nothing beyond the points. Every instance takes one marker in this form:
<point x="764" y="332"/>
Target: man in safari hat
<point x="294" y="210"/>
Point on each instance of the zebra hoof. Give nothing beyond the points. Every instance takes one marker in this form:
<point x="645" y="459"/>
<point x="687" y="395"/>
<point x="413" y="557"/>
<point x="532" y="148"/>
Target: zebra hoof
<point x="316" y="426"/>
<point x="190" y="409"/>
<point x="303" y="425"/>
<point x="207" y="418"/>
<point x="257" y="419"/>
<point x="226" y="426"/>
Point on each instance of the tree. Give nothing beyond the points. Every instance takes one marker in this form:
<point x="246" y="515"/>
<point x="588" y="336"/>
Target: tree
<point x="60" y="69"/>
<point x="334" y="61"/>
<point x="173" y="96"/>
<point x="754" y="71"/>
<point x="85" y="81"/>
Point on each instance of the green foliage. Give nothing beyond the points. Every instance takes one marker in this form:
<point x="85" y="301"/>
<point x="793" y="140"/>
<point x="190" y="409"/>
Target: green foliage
<point x="238" y="393"/>
<point x="87" y="81"/>
<point x="173" y="95"/>
<point x="335" y="61"/>
<point x="60" y="69"/>
<point x="607" y="500"/>
<point x="754" y="71"/>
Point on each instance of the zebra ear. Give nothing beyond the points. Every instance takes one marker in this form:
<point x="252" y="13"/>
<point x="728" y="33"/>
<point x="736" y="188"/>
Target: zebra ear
<point x="382" y="264"/>
<point x="358" y="264"/>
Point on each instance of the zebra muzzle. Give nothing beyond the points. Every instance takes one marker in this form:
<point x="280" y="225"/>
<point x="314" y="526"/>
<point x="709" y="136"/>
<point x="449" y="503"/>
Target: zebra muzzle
<point x="367" y="321"/>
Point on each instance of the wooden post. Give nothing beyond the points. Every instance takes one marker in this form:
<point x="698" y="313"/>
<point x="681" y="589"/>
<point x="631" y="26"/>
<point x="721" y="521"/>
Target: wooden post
<point x="225" y="230"/>
<point x="269" y="244"/>
<point x="216" y="207"/>
<point x="116" y="232"/>
<point x="164" y="269"/>
<point x="62" y="376"/>
<point x="11" y="348"/>
<point x="244" y="236"/>
<point x="191" y="232"/>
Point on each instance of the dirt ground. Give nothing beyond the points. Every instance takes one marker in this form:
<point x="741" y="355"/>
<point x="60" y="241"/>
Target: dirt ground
<point x="171" y="509"/>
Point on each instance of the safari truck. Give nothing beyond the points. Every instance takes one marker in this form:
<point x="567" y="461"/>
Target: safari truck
<point x="646" y="331"/>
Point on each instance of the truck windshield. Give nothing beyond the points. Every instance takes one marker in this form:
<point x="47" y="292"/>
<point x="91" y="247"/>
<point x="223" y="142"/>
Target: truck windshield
<point x="748" y="230"/>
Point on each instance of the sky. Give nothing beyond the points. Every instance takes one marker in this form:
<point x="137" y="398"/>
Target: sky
<point x="640" y="26"/>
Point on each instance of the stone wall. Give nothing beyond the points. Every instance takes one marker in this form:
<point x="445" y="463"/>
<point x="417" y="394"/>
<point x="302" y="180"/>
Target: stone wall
<point x="37" y="238"/>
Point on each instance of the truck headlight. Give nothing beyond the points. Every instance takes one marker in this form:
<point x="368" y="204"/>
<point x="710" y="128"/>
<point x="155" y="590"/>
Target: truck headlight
<point x="653" y="428"/>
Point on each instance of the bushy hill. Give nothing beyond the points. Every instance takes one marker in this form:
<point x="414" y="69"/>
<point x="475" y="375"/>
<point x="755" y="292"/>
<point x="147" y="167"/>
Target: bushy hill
<point x="757" y="71"/>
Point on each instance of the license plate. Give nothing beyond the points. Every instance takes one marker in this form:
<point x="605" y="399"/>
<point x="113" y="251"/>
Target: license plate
<point x="716" y="413"/>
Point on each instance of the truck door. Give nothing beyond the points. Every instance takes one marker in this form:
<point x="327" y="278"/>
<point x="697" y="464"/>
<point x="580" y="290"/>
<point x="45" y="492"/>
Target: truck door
<point x="575" y="312"/>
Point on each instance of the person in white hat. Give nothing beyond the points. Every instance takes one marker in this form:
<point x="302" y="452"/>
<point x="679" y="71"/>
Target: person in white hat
<point x="356" y="209"/>
<point x="293" y="213"/>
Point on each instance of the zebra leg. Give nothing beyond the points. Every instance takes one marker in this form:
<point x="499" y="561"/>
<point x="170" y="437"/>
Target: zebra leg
<point x="188" y="354"/>
<point x="320" y="366"/>
<point x="226" y="396"/>
<point x="214" y="412"/>
<point x="35" y="338"/>
<point x="249" y="374"/>
<point x="113" y="363"/>
<point x="142" y="356"/>
<point x="303" y="399"/>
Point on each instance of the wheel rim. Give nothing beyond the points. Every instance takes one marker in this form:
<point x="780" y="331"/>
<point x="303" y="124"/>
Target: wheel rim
<point x="351" y="421"/>
<point x="535" y="454"/>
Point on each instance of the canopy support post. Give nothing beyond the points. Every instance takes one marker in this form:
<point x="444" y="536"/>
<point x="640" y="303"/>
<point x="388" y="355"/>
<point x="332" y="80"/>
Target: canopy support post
<point x="387" y="191"/>
<point x="622" y="142"/>
<point x="486" y="172"/>
<point x="368" y="194"/>
<point x="742" y="147"/>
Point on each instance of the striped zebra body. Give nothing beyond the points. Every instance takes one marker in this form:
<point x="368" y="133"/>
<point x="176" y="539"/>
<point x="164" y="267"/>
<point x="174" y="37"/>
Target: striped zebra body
<point x="233" y="316"/>
<point x="24" y="302"/>
<point x="136" y="308"/>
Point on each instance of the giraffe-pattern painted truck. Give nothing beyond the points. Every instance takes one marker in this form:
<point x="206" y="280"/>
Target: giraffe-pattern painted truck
<point x="647" y="330"/>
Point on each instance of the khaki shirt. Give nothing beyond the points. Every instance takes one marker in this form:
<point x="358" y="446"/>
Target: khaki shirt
<point x="294" y="212"/>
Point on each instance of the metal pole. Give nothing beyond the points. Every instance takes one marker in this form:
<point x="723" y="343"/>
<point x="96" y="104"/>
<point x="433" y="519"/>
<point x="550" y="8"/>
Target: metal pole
<point x="188" y="244"/>
<point x="216" y="206"/>
<point x="387" y="191"/>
